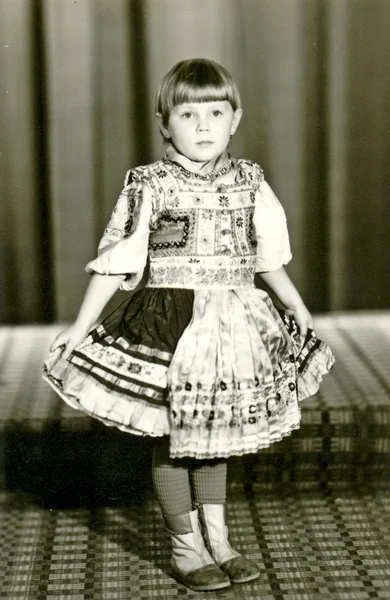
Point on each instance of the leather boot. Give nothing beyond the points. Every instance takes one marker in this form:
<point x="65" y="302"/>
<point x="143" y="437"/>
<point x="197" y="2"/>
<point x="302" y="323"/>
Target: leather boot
<point x="215" y="532"/>
<point x="190" y="561"/>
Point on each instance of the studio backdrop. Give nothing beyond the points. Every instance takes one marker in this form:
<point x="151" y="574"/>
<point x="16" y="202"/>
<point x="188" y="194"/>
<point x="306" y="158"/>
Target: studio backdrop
<point x="78" y="80"/>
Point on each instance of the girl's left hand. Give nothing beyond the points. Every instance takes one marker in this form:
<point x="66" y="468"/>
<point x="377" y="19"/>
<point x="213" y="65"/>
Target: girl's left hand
<point x="303" y="318"/>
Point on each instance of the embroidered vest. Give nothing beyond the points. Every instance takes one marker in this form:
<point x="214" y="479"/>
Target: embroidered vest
<point x="202" y="231"/>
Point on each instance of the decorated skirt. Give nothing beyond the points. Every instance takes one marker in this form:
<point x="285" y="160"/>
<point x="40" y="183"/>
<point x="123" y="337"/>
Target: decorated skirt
<point x="221" y="372"/>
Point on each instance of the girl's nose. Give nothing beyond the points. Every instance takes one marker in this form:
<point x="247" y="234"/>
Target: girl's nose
<point x="203" y="125"/>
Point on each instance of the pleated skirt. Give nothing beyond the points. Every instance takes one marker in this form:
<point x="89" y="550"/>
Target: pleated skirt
<point x="222" y="372"/>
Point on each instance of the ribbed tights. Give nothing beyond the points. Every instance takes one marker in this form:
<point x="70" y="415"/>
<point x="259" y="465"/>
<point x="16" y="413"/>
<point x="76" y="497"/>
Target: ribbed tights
<point x="181" y="483"/>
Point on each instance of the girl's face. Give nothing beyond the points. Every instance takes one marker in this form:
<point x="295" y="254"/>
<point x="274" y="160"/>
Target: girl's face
<point x="201" y="130"/>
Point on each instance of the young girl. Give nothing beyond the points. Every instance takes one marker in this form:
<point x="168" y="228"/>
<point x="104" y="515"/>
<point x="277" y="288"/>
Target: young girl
<point x="198" y="357"/>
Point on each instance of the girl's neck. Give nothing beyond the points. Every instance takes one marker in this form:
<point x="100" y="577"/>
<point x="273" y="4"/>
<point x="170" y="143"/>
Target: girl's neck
<point x="195" y="167"/>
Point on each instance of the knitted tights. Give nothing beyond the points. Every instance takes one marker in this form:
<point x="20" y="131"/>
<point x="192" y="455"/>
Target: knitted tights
<point x="181" y="483"/>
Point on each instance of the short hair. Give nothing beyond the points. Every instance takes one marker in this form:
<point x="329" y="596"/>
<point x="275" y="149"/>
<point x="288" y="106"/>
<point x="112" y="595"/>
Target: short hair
<point x="195" y="80"/>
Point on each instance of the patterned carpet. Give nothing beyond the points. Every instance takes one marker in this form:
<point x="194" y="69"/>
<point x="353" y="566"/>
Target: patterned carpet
<point x="308" y="545"/>
<point x="79" y="520"/>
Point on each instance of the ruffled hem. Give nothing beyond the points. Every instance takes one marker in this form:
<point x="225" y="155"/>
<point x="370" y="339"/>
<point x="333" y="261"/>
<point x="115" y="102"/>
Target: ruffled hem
<point x="131" y="416"/>
<point x="201" y="451"/>
<point x="314" y="359"/>
<point x="118" y="374"/>
<point x="221" y="372"/>
<point x="234" y="424"/>
<point x="310" y="381"/>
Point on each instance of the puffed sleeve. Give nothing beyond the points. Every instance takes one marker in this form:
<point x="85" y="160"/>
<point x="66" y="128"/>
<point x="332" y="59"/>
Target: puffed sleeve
<point x="269" y="219"/>
<point x="123" y="249"/>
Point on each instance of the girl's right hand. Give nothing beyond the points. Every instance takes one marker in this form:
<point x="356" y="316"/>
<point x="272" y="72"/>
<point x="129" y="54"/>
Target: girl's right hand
<point x="67" y="340"/>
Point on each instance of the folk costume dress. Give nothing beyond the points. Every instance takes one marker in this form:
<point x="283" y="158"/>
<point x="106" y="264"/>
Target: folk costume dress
<point x="198" y="353"/>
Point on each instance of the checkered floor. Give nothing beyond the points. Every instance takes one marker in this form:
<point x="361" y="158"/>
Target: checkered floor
<point x="308" y="545"/>
<point x="313" y="511"/>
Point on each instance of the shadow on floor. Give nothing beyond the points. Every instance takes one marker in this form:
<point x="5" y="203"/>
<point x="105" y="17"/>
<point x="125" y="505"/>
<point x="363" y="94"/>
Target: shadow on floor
<point x="95" y="467"/>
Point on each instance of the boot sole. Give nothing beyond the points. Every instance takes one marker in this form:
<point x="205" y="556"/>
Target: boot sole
<point x="246" y="579"/>
<point x="201" y="588"/>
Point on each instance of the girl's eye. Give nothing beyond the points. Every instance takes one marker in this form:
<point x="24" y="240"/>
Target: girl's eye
<point x="187" y="115"/>
<point x="217" y="113"/>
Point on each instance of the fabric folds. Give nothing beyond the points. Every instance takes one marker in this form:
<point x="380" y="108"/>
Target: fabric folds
<point x="238" y="375"/>
<point x="272" y="239"/>
<point x="119" y="373"/>
<point x="123" y="249"/>
<point x="220" y="371"/>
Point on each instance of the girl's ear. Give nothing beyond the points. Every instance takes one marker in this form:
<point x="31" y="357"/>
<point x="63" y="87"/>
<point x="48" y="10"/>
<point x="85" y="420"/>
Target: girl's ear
<point x="164" y="130"/>
<point x="236" y="120"/>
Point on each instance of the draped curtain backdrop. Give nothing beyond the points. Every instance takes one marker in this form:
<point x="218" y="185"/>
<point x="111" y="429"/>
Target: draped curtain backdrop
<point x="78" y="80"/>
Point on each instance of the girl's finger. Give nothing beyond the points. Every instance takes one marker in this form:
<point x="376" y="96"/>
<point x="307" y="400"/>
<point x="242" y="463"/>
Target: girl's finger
<point x="68" y="350"/>
<point x="57" y="352"/>
<point x="59" y="341"/>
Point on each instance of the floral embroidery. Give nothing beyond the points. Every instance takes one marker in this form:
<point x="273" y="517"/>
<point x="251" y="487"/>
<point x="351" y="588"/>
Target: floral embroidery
<point x="223" y="201"/>
<point x="216" y="245"/>
<point x="161" y="173"/>
<point x="193" y="410"/>
<point x="112" y="231"/>
<point x="221" y="275"/>
<point x="200" y="276"/>
<point x="134" y="368"/>
<point x="172" y="274"/>
<point x="204" y="177"/>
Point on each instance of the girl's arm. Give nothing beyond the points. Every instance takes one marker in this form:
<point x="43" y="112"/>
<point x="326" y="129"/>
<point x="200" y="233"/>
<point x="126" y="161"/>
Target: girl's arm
<point x="122" y="251"/>
<point x="99" y="291"/>
<point x="280" y="283"/>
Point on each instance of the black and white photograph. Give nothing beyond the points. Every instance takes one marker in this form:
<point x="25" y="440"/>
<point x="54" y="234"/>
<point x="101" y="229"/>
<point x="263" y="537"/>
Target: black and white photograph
<point x="194" y="299"/>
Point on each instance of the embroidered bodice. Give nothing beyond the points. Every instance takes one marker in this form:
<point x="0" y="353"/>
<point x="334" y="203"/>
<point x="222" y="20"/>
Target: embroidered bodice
<point x="196" y="231"/>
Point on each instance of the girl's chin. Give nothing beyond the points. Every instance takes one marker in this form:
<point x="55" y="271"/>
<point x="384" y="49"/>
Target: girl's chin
<point x="204" y="156"/>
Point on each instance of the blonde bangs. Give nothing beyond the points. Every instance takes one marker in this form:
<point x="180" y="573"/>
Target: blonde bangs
<point x="196" y="80"/>
<point x="207" y="93"/>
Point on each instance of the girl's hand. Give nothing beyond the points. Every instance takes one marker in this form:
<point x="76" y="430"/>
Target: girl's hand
<point x="303" y="318"/>
<point x="67" y="340"/>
